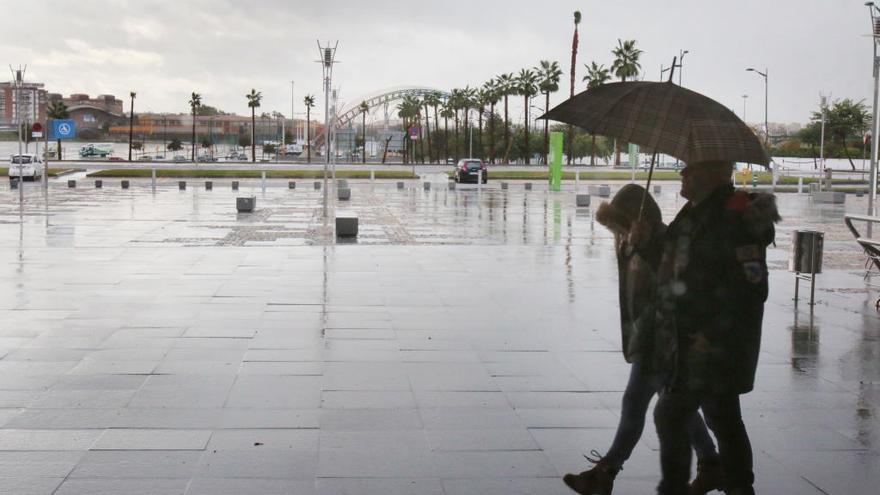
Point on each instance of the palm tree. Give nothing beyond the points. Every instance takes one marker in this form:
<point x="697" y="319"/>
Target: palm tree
<point x="481" y="102"/>
<point x="626" y="64"/>
<point x="58" y="111"/>
<point x="549" y="74"/>
<point x="407" y="109"/>
<point x="195" y="101"/>
<point x="506" y="87"/>
<point x="455" y="103"/>
<point x="432" y="99"/>
<point x="447" y="113"/>
<point x="364" y="108"/>
<point x="492" y="94"/>
<point x="526" y="86"/>
<point x="468" y="101"/>
<point x="574" y="53"/>
<point x="425" y="100"/>
<point x="309" y="102"/>
<point x="254" y="98"/>
<point x="597" y="75"/>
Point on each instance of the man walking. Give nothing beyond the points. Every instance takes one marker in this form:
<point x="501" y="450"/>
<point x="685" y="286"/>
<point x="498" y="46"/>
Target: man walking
<point x="712" y="284"/>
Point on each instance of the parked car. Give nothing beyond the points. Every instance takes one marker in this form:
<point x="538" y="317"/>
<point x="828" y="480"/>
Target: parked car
<point x="468" y="170"/>
<point x="115" y="159"/>
<point x="28" y="166"/>
<point x="180" y="158"/>
<point x="145" y="158"/>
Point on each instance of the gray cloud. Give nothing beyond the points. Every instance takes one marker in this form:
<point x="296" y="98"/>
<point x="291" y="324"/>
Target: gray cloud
<point x="166" y="49"/>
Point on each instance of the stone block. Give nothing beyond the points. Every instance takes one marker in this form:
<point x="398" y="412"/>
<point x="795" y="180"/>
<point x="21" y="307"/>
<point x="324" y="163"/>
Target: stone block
<point x="246" y="204"/>
<point x="125" y="184"/>
<point x="346" y="224"/>
<point x="829" y="197"/>
<point x="528" y="186"/>
<point x="603" y="191"/>
<point x="209" y="186"/>
<point x="657" y="189"/>
<point x="504" y="185"/>
<point x="343" y="193"/>
<point x="451" y="185"/>
<point x="582" y="199"/>
<point x="71" y="183"/>
<point x="341" y="183"/>
<point x="400" y="184"/>
<point x="13" y="183"/>
<point x="427" y="186"/>
<point x="181" y="185"/>
<point x="235" y="185"/>
<point x="291" y="185"/>
<point x="99" y="184"/>
<point x="317" y="185"/>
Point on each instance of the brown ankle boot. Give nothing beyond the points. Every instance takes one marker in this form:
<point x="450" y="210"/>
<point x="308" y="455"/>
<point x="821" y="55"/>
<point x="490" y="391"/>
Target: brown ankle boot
<point x="598" y="480"/>
<point x="710" y="476"/>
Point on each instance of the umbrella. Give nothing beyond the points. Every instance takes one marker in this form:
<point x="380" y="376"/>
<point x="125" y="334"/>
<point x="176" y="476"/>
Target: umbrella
<point x="664" y="118"/>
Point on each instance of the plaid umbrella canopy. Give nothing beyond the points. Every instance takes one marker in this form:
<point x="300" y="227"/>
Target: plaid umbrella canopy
<point x="664" y="118"/>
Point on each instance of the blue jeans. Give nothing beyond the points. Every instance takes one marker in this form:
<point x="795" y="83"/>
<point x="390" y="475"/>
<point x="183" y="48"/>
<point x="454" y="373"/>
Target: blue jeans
<point x="639" y="391"/>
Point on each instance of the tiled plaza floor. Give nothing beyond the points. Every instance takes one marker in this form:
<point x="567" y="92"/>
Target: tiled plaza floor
<point x="157" y="342"/>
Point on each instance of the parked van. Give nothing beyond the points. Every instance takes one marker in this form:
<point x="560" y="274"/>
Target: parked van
<point x="27" y="165"/>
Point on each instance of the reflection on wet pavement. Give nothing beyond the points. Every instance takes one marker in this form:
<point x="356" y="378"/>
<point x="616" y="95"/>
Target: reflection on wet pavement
<point x="465" y="342"/>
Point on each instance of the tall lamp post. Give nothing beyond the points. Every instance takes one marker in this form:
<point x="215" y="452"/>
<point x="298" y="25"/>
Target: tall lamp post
<point x="766" y="125"/>
<point x="744" y="107"/>
<point x="681" y="54"/>
<point x="327" y="59"/>
<point x="875" y="135"/>
<point x="131" y="123"/>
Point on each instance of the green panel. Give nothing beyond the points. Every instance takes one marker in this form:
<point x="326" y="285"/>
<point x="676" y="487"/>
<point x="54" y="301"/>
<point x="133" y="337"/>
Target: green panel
<point x="555" y="160"/>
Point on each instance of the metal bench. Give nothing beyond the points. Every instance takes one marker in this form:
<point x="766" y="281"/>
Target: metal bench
<point x="869" y="245"/>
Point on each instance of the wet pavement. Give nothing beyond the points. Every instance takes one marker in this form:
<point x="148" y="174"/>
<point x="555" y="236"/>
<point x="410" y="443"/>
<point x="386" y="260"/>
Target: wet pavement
<point x="466" y="342"/>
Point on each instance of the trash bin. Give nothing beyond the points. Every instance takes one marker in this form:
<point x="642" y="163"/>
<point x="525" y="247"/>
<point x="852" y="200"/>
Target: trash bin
<point x="806" y="251"/>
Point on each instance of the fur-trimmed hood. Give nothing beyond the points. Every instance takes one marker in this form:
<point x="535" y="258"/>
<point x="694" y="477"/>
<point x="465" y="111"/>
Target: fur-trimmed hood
<point x="760" y="215"/>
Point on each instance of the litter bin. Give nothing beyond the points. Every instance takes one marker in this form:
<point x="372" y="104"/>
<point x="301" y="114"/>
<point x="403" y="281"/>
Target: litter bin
<point x="806" y="251"/>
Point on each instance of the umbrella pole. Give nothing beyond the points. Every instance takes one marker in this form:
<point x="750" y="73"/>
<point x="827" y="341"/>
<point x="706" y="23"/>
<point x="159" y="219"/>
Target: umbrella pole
<point x="648" y="185"/>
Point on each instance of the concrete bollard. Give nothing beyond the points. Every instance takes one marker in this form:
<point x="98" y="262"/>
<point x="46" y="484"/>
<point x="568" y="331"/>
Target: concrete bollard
<point x="246" y="204"/>
<point x="263" y="180"/>
<point x="829" y="197"/>
<point x="317" y="185"/>
<point x="451" y="185"/>
<point x="528" y="186"/>
<point x="346" y="224"/>
<point x="657" y="189"/>
<point x="427" y="186"/>
<point x="400" y="184"/>
<point x="343" y="193"/>
<point x="577" y="179"/>
<point x="153" y="178"/>
<point x="235" y="185"/>
<point x="504" y="185"/>
<point x="71" y="184"/>
<point x="124" y="184"/>
<point x="291" y="185"/>
<point x="99" y="184"/>
<point x="604" y="191"/>
<point x="13" y="183"/>
<point x="372" y="175"/>
<point x="181" y="185"/>
<point x="209" y="186"/>
<point x="582" y="200"/>
<point x="800" y="185"/>
<point x="341" y="183"/>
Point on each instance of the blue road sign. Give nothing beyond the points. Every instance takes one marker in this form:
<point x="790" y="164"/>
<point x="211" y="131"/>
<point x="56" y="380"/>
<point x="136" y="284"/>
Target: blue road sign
<point x="63" y="129"/>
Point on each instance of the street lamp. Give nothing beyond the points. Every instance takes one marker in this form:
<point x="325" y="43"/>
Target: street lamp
<point x="681" y="55"/>
<point x="744" y="108"/>
<point x="131" y="123"/>
<point x="875" y="29"/>
<point x="766" y="125"/>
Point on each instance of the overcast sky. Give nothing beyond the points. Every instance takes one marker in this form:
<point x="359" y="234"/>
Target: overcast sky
<point x="164" y="50"/>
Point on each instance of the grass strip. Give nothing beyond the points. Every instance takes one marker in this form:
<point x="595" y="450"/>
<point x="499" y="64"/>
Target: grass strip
<point x="53" y="172"/>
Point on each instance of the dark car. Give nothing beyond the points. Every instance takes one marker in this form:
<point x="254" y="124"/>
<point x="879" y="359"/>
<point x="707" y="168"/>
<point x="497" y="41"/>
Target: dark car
<point x="469" y="169"/>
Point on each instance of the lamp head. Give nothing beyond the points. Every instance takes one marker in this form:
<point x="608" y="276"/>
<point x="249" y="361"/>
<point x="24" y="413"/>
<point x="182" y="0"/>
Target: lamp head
<point x="750" y="70"/>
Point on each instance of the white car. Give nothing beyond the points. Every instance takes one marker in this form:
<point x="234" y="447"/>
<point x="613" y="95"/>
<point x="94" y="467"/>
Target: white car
<point x="27" y="165"/>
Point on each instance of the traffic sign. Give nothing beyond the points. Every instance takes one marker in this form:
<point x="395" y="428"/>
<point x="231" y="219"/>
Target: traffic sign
<point x="37" y="127"/>
<point x="414" y="132"/>
<point x="63" y="129"/>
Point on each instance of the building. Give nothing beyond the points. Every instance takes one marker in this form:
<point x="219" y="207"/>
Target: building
<point x="213" y="128"/>
<point x="92" y="113"/>
<point x="33" y="103"/>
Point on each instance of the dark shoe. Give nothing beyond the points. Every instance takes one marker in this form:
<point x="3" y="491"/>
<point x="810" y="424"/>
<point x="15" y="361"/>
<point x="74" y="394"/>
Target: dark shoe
<point x="599" y="480"/>
<point x="710" y="476"/>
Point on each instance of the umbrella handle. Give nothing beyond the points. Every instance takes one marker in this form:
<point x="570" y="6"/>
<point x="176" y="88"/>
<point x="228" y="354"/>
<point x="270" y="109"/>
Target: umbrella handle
<point x="648" y="185"/>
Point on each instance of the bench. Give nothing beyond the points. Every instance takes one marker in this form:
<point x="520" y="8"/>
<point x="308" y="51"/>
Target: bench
<point x="870" y="246"/>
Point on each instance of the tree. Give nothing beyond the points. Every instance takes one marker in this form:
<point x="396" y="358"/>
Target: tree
<point x="206" y="142"/>
<point x="506" y="87"/>
<point x="447" y="113"/>
<point x="548" y="82"/>
<point x="137" y="145"/>
<point x="526" y="86"/>
<point x="407" y="110"/>
<point x="597" y="75"/>
<point x="244" y="140"/>
<point x="254" y="98"/>
<point x="455" y="103"/>
<point x="434" y="100"/>
<point x="364" y="108"/>
<point x="625" y="65"/>
<point x="492" y="95"/>
<point x="269" y="149"/>
<point x="309" y="102"/>
<point x="574" y="52"/>
<point x="58" y="111"/>
<point x="844" y="119"/>
<point x="175" y="145"/>
<point x="209" y="111"/>
<point x="195" y="101"/>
